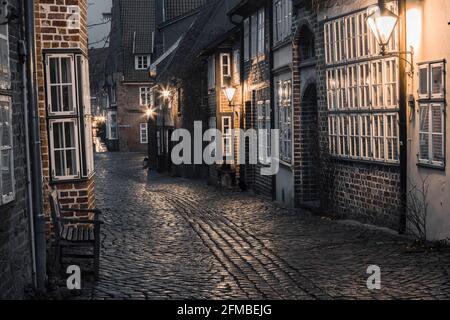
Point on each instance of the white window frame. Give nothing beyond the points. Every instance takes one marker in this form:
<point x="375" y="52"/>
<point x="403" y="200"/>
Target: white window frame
<point x="5" y="84"/>
<point x="365" y="136"/>
<point x="427" y="93"/>
<point x="264" y="138"/>
<point x="52" y="122"/>
<point x="285" y="125"/>
<point x="227" y="135"/>
<point x="139" y="62"/>
<point x="441" y="94"/>
<point x="7" y="198"/>
<point x="225" y="68"/>
<point x="143" y="133"/>
<point x="144" y="96"/>
<point x="49" y="85"/>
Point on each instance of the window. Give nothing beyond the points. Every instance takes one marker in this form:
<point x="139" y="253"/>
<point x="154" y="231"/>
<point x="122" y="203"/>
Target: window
<point x="142" y="62"/>
<point x="285" y="119"/>
<point x="225" y="67"/>
<point x="432" y="130"/>
<point x="236" y="67"/>
<point x="264" y="131"/>
<point x="211" y="73"/>
<point x="432" y="113"/>
<point x="213" y="125"/>
<point x="227" y="137"/>
<point x="143" y="134"/>
<point x="246" y="39"/>
<point x="5" y="77"/>
<point x="261" y="31"/>
<point x="69" y="116"/>
<point x="64" y="149"/>
<point x="144" y="96"/>
<point x="282" y="19"/>
<point x="362" y="92"/>
<point x="61" y="92"/>
<point x="7" y="187"/>
<point x="254" y="35"/>
<point x="112" y="133"/>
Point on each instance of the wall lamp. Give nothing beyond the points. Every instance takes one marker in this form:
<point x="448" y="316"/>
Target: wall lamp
<point x="382" y="22"/>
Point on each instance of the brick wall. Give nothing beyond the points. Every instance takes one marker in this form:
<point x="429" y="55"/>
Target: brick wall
<point x="129" y="116"/>
<point x="54" y="31"/>
<point x="369" y="192"/>
<point x="15" y="247"/>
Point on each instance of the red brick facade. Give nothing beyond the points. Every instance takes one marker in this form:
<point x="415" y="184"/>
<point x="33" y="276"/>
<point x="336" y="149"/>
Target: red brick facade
<point x="54" y="32"/>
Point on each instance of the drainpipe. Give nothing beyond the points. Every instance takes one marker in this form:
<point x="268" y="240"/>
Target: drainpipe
<point x="35" y="149"/>
<point x="403" y="117"/>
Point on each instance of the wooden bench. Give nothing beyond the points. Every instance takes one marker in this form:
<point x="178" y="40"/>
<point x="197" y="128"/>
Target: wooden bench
<point x="74" y="232"/>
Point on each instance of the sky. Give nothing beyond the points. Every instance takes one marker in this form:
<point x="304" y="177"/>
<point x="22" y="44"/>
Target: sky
<point x="97" y="34"/>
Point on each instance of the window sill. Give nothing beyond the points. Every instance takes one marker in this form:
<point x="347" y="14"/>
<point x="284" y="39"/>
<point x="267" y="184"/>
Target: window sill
<point x="76" y="180"/>
<point x="366" y="161"/>
<point x="431" y="166"/>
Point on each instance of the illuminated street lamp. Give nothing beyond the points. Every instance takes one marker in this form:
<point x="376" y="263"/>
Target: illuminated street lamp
<point x="382" y="23"/>
<point x="229" y="91"/>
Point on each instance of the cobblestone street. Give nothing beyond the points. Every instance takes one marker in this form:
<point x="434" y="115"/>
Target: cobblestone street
<point x="171" y="238"/>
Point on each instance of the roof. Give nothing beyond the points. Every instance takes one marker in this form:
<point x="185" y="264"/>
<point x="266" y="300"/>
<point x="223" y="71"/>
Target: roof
<point x="210" y="23"/>
<point x="246" y="7"/>
<point x="176" y="8"/>
<point x="138" y="23"/>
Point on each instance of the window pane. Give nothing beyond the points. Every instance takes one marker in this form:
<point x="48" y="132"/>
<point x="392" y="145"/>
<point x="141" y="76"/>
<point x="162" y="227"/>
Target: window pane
<point x="59" y="163"/>
<point x="56" y="98"/>
<point x="437" y="79"/>
<point x="7" y="178"/>
<point x="58" y="135"/>
<point x="67" y="98"/>
<point x="71" y="163"/>
<point x="424" y="146"/>
<point x="69" y="134"/>
<point x="424" y="119"/>
<point x="6" y="127"/>
<point x="423" y="81"/>
<point x="66" y="70"/>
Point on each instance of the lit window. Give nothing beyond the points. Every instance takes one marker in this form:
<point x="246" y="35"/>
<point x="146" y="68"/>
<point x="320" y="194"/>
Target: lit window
<point x="285" y="119"/>
<point x="264" y="131"/>
<point x="7" y="187"/>
<point x="112" y="133"/>
<point x="142" y="62"/>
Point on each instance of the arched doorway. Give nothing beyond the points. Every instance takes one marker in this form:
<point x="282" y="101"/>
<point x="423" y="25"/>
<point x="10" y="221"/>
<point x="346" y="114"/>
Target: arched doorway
<point x="311" y="149"/>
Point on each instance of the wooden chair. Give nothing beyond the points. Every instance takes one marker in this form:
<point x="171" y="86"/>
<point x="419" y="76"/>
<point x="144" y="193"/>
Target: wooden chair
<point x="73" y="232"/>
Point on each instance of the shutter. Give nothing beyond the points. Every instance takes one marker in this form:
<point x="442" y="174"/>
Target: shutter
<point x="424" y="133"/>
<point x="437" y="133"/>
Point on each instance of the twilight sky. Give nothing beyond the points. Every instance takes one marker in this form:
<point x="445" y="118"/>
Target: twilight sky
<point x="99" y="33"/>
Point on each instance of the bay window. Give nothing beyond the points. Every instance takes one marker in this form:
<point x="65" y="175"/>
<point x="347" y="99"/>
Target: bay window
<point x="7" y="184"/>
<point x="69" y="116"/>
<point x="362" y="92"/>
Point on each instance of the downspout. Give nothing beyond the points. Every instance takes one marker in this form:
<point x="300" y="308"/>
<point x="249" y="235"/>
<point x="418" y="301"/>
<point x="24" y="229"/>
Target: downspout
<point x="35" y="149"/>
<point x="403" y="117"/>
<point x="23" y="60"/>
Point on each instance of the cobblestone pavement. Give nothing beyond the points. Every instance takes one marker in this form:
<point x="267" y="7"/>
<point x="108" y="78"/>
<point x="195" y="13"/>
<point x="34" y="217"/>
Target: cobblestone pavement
<point x="171" y="238"/>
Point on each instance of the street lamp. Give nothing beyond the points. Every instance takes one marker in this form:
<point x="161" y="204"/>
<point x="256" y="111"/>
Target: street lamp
<point x="382" y="23"/>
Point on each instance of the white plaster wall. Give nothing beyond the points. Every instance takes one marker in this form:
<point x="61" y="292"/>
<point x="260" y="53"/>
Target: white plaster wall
<point x="429" y="33"/>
